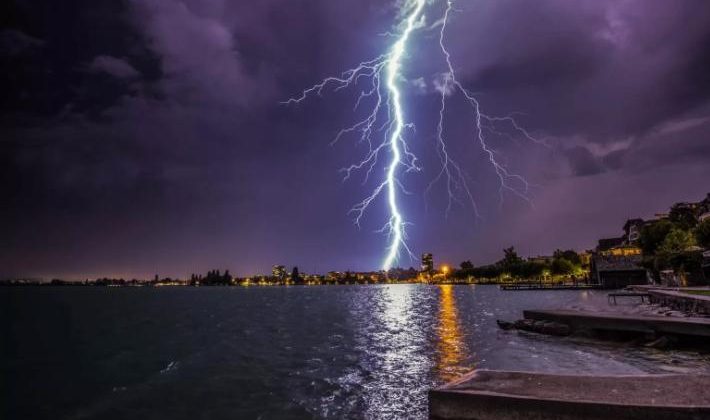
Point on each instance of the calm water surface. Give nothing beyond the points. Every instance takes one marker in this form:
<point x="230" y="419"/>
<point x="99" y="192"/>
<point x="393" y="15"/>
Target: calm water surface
<point x="277" y="352"/>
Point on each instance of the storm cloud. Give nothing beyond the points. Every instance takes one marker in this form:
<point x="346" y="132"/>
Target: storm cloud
<point x="148" y="135"/>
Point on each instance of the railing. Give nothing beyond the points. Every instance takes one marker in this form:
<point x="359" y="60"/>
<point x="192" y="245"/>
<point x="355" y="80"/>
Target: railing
<point x="611" y="298"/>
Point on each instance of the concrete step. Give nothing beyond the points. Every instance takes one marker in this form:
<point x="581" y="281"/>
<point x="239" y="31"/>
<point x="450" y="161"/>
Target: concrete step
<point x="508" y="395"/>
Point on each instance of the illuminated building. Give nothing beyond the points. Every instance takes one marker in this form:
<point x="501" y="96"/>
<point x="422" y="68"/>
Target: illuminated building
<point x="279" y="271"/>
<point x="542" y="259"/>
<point x="623" y="251"/>
<point x="427" y="263"/>
<point x="586" y="258"/>
<point x="335" y="276"/>
<point x="617" y="262"/>
<point x="609" y="243"/>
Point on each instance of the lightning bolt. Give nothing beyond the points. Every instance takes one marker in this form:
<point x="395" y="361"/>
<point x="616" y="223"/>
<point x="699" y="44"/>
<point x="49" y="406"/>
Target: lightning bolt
<point x="396" y="223"/>
<point x="383" y="128"/>
<point x="456" y="177"/>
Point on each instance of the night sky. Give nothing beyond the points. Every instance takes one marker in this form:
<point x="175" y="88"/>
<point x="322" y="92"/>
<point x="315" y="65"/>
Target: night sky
<point x="146" y="136"/>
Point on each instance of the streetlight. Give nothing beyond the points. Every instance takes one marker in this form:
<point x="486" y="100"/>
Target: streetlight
<point x="445" y="269"/>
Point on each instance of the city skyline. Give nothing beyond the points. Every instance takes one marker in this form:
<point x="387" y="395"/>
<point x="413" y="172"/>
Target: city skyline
<point x="131" y="148"/>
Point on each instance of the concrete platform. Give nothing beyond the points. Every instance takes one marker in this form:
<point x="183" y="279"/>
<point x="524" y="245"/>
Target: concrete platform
<point x="681" y="300"/>
<point x="610" y="321"/>
<point x="505" y="395"/>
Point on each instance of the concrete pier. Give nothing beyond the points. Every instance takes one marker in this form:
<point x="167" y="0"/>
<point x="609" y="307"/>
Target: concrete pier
<point x="610" y="321"/>
<point x="505" y="395"/>
<point x="680" y="299"/>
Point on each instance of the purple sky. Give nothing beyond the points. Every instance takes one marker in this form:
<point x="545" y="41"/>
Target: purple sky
<point x="146" y="136"/>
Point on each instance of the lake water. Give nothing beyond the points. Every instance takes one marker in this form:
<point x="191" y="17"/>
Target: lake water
<point x="277" y="352"/>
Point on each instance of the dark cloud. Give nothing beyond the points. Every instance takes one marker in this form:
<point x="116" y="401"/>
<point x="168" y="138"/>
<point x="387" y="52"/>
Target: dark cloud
<point x="14" y="42"/>
<point x="147" y="136"/>
<point x="113" y="66"/>
<point x="582" y="162"/>
<point x="607" y="69"/>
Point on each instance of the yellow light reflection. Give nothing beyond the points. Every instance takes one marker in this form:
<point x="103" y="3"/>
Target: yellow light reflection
<point x="451" y="349"/>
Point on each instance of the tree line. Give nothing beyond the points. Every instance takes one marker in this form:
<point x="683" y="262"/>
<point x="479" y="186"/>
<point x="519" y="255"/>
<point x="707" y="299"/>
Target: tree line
<point x="563" y="263"/>
<point x="675" y="243"/>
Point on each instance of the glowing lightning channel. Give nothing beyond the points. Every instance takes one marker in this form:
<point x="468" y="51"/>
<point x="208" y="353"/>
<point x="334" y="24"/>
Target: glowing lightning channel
<point x="388" y="107"/>
<point x="396" y="222"/>
<point x="385" y="121"/>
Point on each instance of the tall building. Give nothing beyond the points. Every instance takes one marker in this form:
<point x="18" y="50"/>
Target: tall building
<point x="427" y="263"/>
<point x="279" y="271"/>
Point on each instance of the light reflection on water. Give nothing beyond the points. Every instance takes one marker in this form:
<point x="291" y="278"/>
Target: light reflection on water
<point x="451" y="348"/>
<point x="280" y="352"/>
<point x="394" y="330"/>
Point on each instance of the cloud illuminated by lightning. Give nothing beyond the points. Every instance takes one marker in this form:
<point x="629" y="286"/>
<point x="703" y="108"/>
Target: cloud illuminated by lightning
<point x="383" y="128"/>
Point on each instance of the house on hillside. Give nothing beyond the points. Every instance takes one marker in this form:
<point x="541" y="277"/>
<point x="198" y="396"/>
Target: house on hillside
<point x="616" y="262"/>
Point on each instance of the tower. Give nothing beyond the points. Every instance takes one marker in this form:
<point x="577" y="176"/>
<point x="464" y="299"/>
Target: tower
<point x="427" y="263"/>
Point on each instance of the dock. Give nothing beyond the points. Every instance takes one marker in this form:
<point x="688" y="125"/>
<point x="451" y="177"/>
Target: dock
<point x="507" y="395"/>
<point x="613" y="321"/>
<point x="539" y="286"/>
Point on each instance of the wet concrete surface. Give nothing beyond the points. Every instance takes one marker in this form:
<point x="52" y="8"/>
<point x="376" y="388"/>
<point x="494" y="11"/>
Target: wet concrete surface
<point x="501" y="395"/>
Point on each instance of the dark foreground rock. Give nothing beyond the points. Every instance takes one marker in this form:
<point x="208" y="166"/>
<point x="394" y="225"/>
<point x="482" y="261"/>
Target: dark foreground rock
<point x="502" y="395"/>
<point x="663" y="342"/>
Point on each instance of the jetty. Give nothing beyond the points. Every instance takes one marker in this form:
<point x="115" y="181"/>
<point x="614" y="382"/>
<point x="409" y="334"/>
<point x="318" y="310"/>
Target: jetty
<point x="613" y="321"/>
<point x="508" y="395"/>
